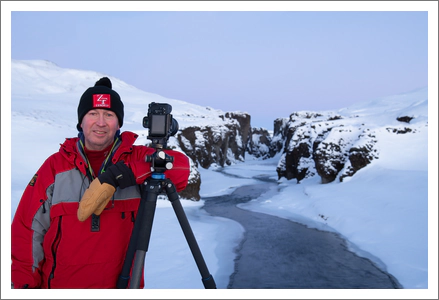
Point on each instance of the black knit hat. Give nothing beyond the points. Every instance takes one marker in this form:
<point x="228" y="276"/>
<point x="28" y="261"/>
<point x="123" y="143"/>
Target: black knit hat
<point x="100" y="96"/>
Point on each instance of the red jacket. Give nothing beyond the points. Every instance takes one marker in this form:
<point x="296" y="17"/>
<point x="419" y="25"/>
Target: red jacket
<point x="51" y="248"/>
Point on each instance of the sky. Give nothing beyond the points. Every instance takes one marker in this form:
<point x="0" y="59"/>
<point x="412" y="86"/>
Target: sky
<point x="396" y="226"/>
<point x="262" y="58"/>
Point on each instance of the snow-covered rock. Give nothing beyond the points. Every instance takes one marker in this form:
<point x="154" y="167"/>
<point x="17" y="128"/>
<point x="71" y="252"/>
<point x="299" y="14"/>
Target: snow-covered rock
<point x="335" y="145"/>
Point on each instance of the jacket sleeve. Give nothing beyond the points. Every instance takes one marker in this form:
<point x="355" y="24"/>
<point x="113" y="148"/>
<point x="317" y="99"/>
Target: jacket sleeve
<point x="179" y="174"/>
<point x="30" y="222"/>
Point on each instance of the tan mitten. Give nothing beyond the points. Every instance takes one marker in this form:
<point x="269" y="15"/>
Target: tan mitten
<point x="95" y="199"/>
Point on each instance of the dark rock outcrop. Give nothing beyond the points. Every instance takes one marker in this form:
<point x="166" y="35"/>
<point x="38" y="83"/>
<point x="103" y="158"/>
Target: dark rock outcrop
<point x="323" y="144"/>
<point x="405" y="119"/>
<point x="192" y="190"/>
<point x="222" y="144"/>
<point x="260" y="144"/>
<point x="226" y="143"/>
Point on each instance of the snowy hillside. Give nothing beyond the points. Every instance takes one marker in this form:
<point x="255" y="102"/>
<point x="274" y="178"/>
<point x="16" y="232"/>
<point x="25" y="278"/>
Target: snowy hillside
<point x="58" y="91"/>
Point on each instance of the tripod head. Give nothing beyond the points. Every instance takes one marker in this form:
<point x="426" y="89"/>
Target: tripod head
<point x="160" y="161"/>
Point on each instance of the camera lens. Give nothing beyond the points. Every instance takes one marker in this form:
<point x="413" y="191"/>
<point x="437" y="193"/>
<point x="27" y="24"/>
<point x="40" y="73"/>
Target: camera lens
<point x="174" y="127"/>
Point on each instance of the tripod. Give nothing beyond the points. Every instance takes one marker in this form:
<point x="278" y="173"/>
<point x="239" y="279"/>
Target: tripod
<point x="141" y="234"/>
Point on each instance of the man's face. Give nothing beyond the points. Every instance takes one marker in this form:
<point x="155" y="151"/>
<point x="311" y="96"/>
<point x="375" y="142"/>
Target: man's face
<point x="99" y="127"/>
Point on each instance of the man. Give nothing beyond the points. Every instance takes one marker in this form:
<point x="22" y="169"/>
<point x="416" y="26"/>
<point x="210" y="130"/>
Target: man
<point x="61" y="241"/>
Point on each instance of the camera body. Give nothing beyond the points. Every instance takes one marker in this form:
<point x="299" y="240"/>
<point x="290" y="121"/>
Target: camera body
<point x="160" y="123"/>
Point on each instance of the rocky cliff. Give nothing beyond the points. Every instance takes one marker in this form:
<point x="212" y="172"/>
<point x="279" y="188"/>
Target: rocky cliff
<point x="331" y="145"/>
<point x="323" y="144"/>
<point x="336" y="145"/>
<point x="221" y="144"/>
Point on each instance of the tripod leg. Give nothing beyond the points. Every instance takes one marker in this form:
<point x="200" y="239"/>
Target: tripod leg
<point x="149" y="196"/>
<point x="124" y="277"/>
<point x="206" y="277"/>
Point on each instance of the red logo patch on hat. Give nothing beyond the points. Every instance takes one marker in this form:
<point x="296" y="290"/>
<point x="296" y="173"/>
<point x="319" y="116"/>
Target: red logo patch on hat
<point x="101" y="101"/>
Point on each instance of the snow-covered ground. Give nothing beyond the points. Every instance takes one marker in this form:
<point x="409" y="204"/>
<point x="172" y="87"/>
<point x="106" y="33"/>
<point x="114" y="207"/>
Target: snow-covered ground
<point x="387" y="211"/>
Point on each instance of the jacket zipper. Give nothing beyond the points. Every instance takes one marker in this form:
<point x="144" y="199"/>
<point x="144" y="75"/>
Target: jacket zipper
<point x="54" y="249"/>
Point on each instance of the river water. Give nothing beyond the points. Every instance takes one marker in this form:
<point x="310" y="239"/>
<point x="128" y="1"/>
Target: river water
<point x="277" y="253"/>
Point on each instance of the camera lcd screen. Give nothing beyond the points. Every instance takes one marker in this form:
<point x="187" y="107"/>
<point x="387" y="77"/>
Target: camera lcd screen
<point x="158" y="125"/>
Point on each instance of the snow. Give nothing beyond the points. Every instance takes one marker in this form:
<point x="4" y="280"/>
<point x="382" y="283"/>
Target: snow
<point x="387" y="211"/>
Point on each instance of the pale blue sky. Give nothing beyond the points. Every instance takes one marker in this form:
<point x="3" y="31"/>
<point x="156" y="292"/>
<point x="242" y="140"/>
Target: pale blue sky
<point x="267" y="63"/>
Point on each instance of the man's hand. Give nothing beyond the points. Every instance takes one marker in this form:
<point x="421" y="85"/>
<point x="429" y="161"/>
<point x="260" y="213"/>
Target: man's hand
<point x="101" y="189"/>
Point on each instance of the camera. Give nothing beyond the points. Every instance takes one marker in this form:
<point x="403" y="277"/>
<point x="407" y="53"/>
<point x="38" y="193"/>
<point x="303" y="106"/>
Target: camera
<point x="160" y="123"/>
